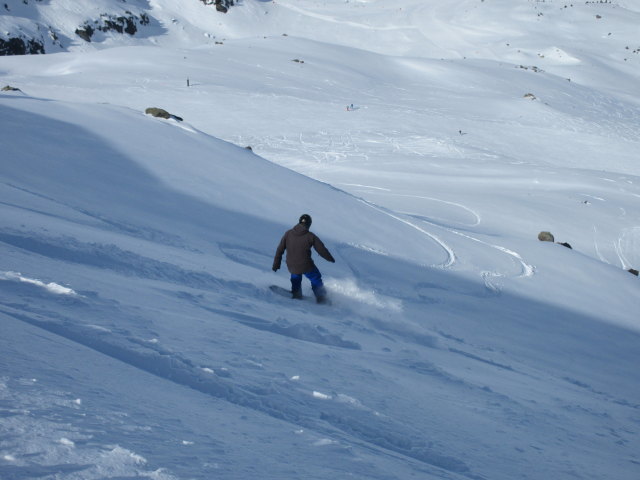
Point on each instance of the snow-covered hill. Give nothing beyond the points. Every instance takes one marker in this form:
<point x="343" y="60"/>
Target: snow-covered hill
<point x="138" y="335"/>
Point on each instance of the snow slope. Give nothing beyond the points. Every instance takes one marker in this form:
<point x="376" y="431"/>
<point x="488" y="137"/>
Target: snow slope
<point x="138" y="334"/>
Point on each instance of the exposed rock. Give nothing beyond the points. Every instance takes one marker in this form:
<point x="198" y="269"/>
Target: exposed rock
<point x="85" y="33"/>
<point x="221" y="5"/>
<point x="546" y="237"/>
<point x="534" y="68"/>
<point x="20" y="46"/>
<point x="26" y="36"/>
<point x="127" y="23"/>
<point x="161" y="113"/>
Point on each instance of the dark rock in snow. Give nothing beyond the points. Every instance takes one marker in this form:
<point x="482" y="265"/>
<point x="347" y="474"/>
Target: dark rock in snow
<point x="29" y="35"/>
<point x="20" y="46"/>
<point x="161" y="113"/>
<point x="85" y="33"/>
<point x="221" y="5"/>
<point x="546" y="237"/>
<point x="127" y="23"/>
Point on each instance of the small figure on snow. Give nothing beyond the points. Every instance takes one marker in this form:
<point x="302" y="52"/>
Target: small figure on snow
<point x="298" y="242"/>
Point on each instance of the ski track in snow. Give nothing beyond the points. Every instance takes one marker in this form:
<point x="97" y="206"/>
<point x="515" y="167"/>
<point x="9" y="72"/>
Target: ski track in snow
<point x="113" y="258"/>
<point x="299" y="331"/>
<point x="451" y="256"/>
<point x="526" y="269"/>
<point x="293" y="405"/>
<point x="297" y="406"/>
<point x="89" y="218"/>
<point x="476" y="216"/>
<point x="348" y="148"/>
<point x="289" y="405"/>
<point x="625" y="246"/>
<point x="347" y="23"/>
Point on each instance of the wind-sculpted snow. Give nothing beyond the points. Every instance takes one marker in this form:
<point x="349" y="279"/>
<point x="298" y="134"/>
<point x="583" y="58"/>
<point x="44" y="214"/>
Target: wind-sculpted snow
<point x="299" y="331"/>
<point x="68" y="454"/>
<point x="176" y="294"/>
<point x="280" y="402"/>
<point x="50" y="287"/>
<point x="109" y="257"/>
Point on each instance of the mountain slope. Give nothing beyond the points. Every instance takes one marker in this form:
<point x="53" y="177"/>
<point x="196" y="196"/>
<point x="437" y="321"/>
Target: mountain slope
<point x="162" y="265"/>
<point x="138" y="335"/>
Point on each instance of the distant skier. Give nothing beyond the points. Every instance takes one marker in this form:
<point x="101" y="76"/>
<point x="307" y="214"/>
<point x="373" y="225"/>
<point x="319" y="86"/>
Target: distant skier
<point x="298" y="242"/>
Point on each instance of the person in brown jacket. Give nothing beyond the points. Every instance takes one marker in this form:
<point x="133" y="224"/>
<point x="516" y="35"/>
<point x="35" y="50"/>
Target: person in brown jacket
<point x="298" y="242"/>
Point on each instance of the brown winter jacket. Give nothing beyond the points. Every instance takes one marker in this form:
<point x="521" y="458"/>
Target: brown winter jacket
<point x="298" y="242"/>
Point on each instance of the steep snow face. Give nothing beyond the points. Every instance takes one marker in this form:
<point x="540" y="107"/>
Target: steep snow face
<point x="139" y="337"/>
<point x="122" y="149"/>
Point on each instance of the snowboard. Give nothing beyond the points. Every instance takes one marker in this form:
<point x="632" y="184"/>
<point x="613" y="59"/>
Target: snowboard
<point x="280" y="291"/>
<point x="287" y="293"/>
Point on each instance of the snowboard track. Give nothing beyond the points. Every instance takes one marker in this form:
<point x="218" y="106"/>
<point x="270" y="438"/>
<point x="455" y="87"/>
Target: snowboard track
<point x="336" y="419"/>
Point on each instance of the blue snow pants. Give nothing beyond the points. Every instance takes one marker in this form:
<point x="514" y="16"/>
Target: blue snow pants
<point x="314" y="276"/>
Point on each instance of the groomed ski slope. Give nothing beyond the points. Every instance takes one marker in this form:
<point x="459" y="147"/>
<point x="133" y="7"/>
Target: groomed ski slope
<point x="138" y="335"/>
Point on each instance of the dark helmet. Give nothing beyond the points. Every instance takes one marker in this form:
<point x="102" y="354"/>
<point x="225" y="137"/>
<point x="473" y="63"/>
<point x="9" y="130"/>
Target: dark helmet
<point x="305" y="220"/>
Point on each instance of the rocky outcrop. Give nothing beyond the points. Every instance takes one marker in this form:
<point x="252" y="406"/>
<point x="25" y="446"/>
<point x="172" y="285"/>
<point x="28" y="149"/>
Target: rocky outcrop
<point x="127" y="23"/>
<point x="161" y="113"/>
<point x="221" y="5"/>
<point x="27" y="35"/>
<point x="546" y="237"/>
<point x="19" y="45"/>
<point x="26" y="28"/>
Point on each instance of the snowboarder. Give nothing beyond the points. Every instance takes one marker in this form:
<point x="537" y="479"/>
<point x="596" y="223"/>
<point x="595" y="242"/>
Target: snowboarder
<point x="298" y="242"/>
